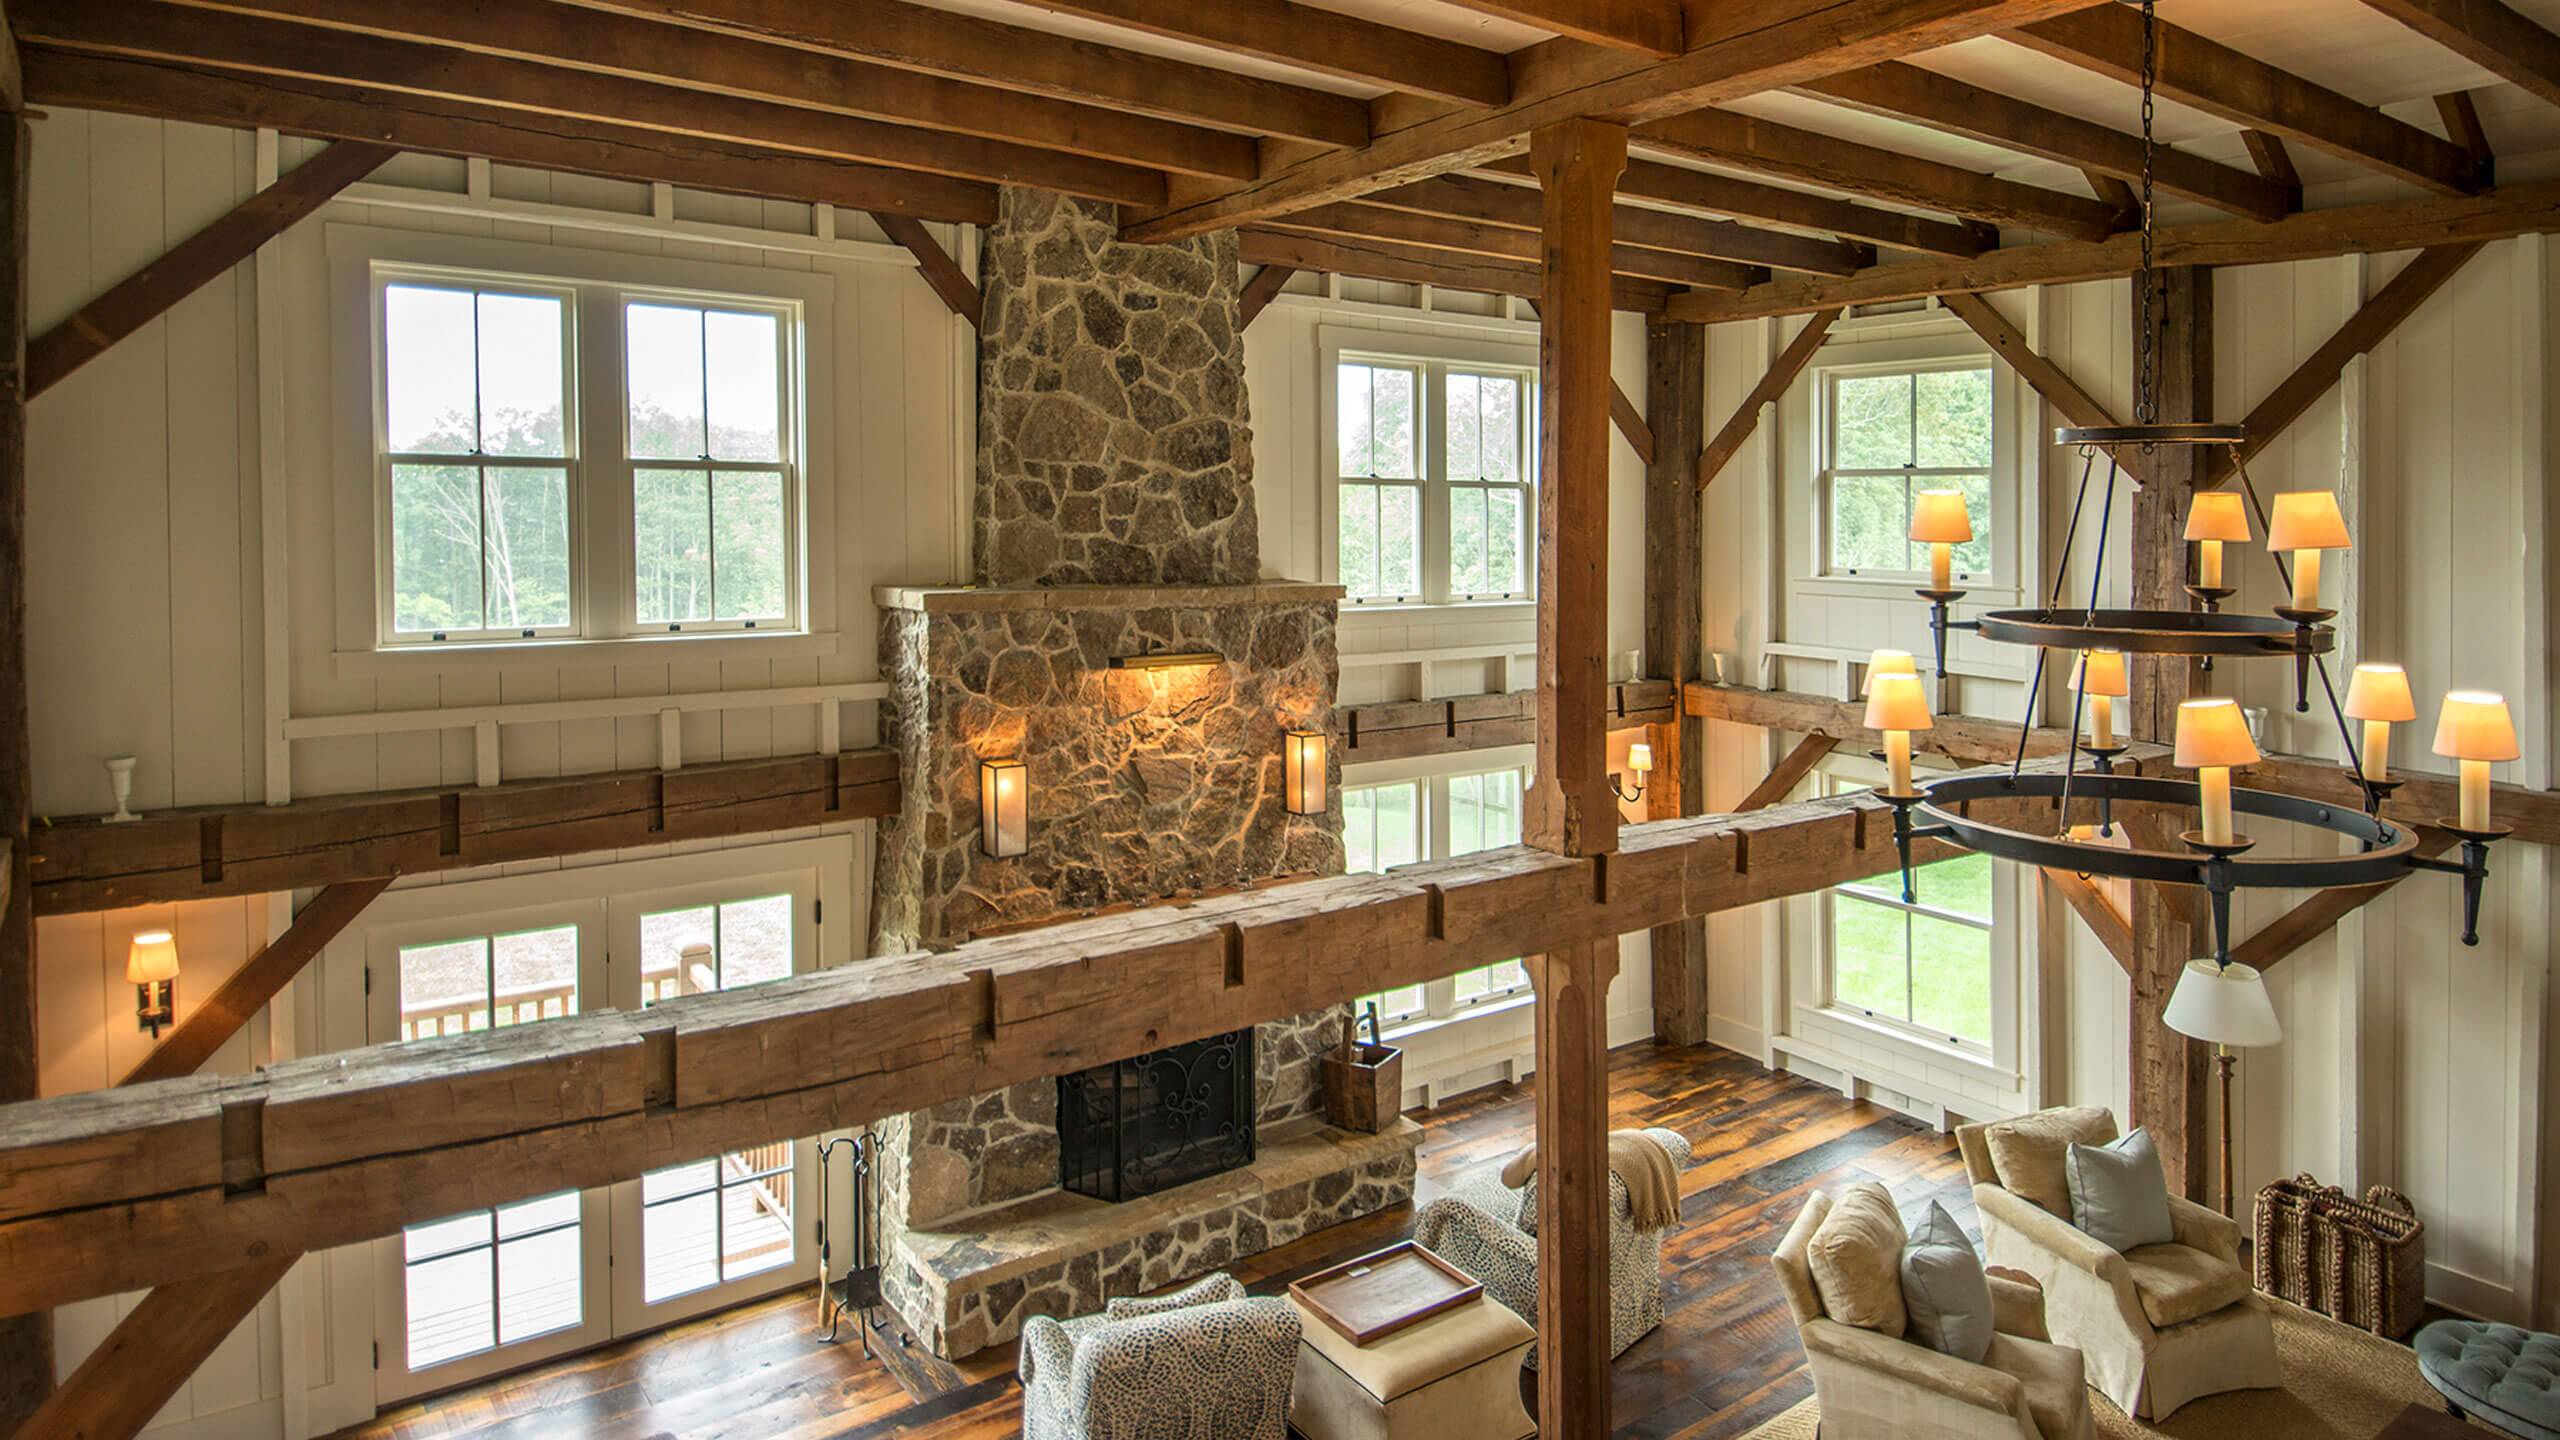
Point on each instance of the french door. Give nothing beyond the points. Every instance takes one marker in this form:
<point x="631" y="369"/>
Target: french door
<point x="487" y="1291"/>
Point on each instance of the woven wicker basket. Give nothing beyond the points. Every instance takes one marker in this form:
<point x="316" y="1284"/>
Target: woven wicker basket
<point x="2361" y="1262"/>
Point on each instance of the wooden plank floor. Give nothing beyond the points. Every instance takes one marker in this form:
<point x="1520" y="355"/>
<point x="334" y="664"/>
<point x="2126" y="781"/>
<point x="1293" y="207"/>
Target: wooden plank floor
<point x="1724" y="1360"/>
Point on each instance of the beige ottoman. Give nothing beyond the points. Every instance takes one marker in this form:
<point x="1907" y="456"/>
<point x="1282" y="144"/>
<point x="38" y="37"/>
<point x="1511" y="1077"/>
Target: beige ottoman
<point x="1455" y="1375"/>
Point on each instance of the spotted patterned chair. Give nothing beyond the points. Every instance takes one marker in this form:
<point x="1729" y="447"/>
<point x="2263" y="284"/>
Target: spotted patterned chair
<point x="1203" y="1363"/>
<point x="1490" y="1231"/>
<point x="2496" y="1374"/>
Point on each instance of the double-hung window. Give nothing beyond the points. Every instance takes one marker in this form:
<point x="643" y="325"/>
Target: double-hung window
<point x="1439" y="817"/>
<point x="1921" y="965"/>
<point x="583" y="460"/>
<point x="1432" y="464"/>
<point x="1890" y="433"/>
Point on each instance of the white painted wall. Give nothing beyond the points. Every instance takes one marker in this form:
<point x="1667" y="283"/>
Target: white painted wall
<point x="2408" y="1060"/>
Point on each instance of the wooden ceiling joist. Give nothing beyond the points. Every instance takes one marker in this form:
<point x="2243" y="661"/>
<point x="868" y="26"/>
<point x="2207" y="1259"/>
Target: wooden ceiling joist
<point x="1495" y="202"/>
<point x="1746" y="142"/>
<point x="562" y="56"/>
<point x="1756" y="57"/>
<point x="2221" y="81"/>
<point x="1376" y="259"/>
<point x="196" y="261"/>
<point x="1471" y="237"/>
<point x="1647" y="27"/>
<point x="2490" y="35"/>
<point x="1702" y="190"/>
<point x="1945" y="103"/>
<point x="1034" y="62"/>
<point x="2509" y="210"/>
<point x="145" y="1185"/>
<point x="1326" y="41"/>
<point x="445" y="127"/>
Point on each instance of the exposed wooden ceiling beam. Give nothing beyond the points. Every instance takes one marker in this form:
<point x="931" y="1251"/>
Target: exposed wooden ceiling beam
<point x="1746" y="142"/>
<point x="1036" y="62"/>
<point x="1494" y="202"/>
<point x="329" y="42"/>
<point x="1326" y="41"/>
<point x="1647" y="27"/>
<point x="1375" y="259"/>
<point x="1746" y="416"/>
<point x="2490" y="35"/>
<point x="1473" y="237"/>
<point x="441" y="127"/>
<point x="2214" y="78"/>
<point x="2461" y="117"/>
<point x="195" y="262"/>
<point x="83" y="865"/>
<point x="146" y="1185"/>
<point x="1755" y="57"/>
<point x="2274" y="162"/>
<point x="1259" y="292"/>
<point x="1700" y="190"/>
<point x="2525" y="209"/>
<point x="1943" y="102"/>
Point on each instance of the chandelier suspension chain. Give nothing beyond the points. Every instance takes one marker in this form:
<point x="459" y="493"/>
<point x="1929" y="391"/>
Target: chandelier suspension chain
<point x="2146" y="401"/>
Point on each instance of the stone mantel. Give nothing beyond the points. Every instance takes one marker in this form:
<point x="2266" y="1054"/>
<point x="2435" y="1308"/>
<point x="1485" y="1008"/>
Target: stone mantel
<point x="1002" y="599"/>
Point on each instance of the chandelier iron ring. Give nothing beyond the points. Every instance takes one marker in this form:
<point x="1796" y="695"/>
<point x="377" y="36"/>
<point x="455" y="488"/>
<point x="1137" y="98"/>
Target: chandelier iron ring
<point x="2156" y="632"/>
<point x="2204" y="433"/>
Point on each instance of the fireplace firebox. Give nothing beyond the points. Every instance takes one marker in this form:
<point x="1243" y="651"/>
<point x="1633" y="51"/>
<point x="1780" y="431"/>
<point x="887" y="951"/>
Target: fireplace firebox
<point x="1157" y="1120"/>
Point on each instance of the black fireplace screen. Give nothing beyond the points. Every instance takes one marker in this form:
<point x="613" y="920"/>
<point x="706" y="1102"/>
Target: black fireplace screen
<point x="1157" y="1120"/>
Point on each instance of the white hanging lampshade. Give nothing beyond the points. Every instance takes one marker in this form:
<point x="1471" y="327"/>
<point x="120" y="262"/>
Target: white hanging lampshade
<point x="2223" y="1005"/>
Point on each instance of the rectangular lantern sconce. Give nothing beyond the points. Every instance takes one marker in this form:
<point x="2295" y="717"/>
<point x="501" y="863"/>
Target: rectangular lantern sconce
<point x="1168" y="660"/>
<point x="1004" y="808"/>
<point x="1305" y="778"/>
<point x="152" y="966"/>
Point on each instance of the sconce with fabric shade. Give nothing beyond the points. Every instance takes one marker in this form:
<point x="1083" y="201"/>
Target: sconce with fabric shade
<point x="2214" y="519"/>
<point x="2307" y="522"/>
<point x="2474" y="728"/>
<point x="1639" y="764"/>
<point x="1303" y="771"/>
<point x="2379" y="696"/>
<point x="2224" y="1006"/>
<point x="1004" y="808"/>
<point x="1940" y="521"/>
<point x="2213" y="737"/>
<point x="152" y="965"/>
<point x="1896" y="706"/>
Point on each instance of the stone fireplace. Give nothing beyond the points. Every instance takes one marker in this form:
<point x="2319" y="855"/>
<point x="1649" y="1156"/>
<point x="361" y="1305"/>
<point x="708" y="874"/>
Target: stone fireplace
<point x="1114" y="519"/>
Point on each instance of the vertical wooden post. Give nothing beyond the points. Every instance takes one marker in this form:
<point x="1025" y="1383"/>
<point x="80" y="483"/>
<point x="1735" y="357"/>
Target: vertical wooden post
<point x="2168" y="1069"/>
<point x="1675" y="407"/>
<point x="1571" y="809"/>
<point x="26" y="1341"/>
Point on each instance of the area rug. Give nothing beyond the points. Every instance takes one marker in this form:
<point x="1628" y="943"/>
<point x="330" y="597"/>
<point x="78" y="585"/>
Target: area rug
<point x="2339" y="1384"/>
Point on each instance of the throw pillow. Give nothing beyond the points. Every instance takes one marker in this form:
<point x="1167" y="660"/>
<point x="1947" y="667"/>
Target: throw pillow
<point x="1856" y="1259"/>
<point x="2119" y="1196"/>
<point x="1944" y="1289"/>
<point x="2027" y="1153"/>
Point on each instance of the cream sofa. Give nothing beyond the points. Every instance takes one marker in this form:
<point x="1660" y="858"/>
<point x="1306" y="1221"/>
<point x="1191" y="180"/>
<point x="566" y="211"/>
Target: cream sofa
<point x="1869" y="1384"/>
<point x="2159" y="1324"/>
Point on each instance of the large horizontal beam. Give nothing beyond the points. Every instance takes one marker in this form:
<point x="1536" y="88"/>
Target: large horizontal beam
<point x="1648" y="27"/>
<point x="1516" y="207"/>
<point x="1310" y="38"/>
<point x="258" y="849"/>
<point x="2489" y="35"/>
<point x="1752" y="52"/>
<point x="1376" y="259"/>
<point x="1402" y="729"/>
<point x="118" y="1190"/>
<point x="549" y="59"/>
<point x="1362" y="221"/>
<point x="1702" y="190"/>
<point x="443" y="127"/>
<point x="2509" y="210"/>
<point x="1037" y="62"/>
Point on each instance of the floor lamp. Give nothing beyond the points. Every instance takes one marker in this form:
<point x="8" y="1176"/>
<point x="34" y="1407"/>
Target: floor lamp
<point x="2224" y="1005"/>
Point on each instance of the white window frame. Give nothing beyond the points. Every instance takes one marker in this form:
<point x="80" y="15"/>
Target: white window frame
<point x="1433" y="359"/>
<point x="1915" y="477"/>
<point x="604" y="628"/>
<point x="1441" y="1002"/>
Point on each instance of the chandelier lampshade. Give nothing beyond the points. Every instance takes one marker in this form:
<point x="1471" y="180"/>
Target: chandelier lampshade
<point x="2307" y="522"/>
<point x="2222" y="1005"/>
<point x="2216" y="518"/>
<point x="2379" y="696"/>
<point x="1897" y="706"/>
<point x="2213" y="737"/>
<point x="2474" y="728"/>
<point x="2101" y="678"/>
<point x="1889" y="662"/>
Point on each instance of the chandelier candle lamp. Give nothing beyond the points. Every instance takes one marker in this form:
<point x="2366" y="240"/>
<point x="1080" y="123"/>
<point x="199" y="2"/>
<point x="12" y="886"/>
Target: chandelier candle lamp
<point x="2215" y="519"/>
<point x="1940" y="521"/>
<point x="2379" y="696"/>
<point x="1888" y="662"/>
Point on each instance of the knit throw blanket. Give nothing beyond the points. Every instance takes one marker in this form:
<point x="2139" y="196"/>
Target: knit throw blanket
<point x="1653" y="1183"/>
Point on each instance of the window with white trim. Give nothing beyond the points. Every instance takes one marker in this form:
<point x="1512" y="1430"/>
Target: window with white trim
<point x="1432" y="464"/>
<point x="563" y="460"/>
<point x="1407" y="820"/>
<point x="1923" y="965"/>
<point x="1890" y="432"/>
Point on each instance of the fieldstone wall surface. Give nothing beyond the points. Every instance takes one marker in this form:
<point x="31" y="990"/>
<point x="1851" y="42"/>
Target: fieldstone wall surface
<point x="1115" y="446"/>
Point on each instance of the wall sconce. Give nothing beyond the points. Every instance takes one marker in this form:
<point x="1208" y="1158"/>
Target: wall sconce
<point x="1639" y="760"/>
<point x="1304" y="779"/>
<point x="152" y="966"/>
<point x="1168" y="660"/>
<point x="1004" y="808"/>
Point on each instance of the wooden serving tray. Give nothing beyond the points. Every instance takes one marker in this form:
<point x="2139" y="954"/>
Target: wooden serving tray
<point x="1377" y="1295"/>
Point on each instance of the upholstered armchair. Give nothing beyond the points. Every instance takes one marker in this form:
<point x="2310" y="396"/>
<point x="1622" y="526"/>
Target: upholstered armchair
<point x="1204" y="1363"/>
<point x="2159" y="1324"/>
<point x="1873" y="1386"/>
<point x="1489" y="1230"/>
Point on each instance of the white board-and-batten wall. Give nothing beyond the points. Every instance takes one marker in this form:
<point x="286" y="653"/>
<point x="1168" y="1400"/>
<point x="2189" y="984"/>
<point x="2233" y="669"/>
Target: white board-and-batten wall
<point x="2408" y="1059"/>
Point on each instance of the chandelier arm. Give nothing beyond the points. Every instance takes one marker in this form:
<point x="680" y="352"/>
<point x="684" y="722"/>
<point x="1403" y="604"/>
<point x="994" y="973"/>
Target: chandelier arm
<point x="2027" y="722"/>
<point x="2346" y="736"/>
<point x="2071" y="532"/>
<point x="2249" y="487"/>
<point x="2097" y="581"/>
